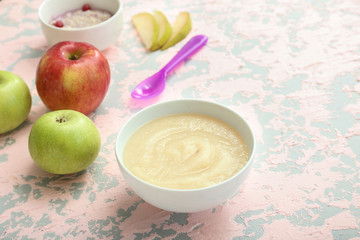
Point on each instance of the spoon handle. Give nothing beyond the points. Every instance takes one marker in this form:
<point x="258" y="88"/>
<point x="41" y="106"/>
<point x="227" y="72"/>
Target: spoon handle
<point x="194" y="44"/>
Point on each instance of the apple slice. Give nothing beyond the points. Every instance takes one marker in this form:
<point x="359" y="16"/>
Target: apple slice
<point x="147" y="28"/>
<point x="181" y="29"/>
<point x="165" y="30"/>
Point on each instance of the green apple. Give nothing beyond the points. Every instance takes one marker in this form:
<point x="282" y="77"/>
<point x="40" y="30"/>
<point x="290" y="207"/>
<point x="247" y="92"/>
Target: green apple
<point x="15" y="101"/>
<point x="181" y="29"/>
<point x="147" y="28"/>
<point x="165" y="30"/>
<point x="64" y="142"/>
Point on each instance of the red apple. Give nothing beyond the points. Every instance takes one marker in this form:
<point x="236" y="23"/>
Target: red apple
<point x="73" y="75"/>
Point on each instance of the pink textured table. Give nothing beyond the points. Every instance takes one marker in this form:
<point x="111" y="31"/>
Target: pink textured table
<point x="291" y="68"/>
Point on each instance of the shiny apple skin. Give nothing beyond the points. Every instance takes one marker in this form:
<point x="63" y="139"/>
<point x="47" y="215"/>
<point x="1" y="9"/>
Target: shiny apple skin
<point x="15" y="101"/>
<point x="73" y="75"/>
<point x="64" y="142"/>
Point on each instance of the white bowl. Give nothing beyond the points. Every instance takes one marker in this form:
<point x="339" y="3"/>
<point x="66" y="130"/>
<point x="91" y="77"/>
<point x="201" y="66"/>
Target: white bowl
<point x="179" y="200"/>
<point x="101" y="35"/>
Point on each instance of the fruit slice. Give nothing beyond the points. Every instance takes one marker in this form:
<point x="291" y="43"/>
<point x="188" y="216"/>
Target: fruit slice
<point x="181" y="29"/>
<point x="147" y="28"/>
<point x="165" y="30"/>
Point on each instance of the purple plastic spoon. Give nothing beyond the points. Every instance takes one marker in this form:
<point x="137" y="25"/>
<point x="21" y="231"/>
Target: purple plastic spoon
<point x="155" y="84"/>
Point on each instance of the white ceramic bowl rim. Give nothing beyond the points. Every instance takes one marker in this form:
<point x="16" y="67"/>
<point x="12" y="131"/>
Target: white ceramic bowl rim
<point x="247" y="165"/>
<point x="117" y="12"/>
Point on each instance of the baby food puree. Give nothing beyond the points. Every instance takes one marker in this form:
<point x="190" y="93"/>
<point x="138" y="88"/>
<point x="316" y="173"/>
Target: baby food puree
<point x="79" y="18"/>
<point x="185" y="151"/>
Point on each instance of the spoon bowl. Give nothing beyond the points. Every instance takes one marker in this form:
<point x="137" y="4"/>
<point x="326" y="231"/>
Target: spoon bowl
<point x="155" y="84"/>
<point x="151" y="87"/>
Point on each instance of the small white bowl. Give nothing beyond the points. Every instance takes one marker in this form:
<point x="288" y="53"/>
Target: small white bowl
<point x="101" y="35"/>
<point x="180" y="200"/>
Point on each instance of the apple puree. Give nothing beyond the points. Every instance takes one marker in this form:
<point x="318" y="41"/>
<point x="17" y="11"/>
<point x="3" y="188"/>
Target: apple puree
<point x="185" y="151"/>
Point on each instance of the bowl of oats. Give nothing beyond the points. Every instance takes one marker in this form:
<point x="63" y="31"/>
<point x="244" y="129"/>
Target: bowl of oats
<point x="96" y="22"/>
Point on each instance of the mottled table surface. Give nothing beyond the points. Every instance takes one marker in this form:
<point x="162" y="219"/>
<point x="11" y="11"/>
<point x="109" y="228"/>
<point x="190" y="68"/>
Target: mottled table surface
<point x="291" y="68"/>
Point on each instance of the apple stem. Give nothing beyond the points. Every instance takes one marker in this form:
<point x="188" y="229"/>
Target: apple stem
<point x="61" y="120"/>
<point x="74" y="56"/>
